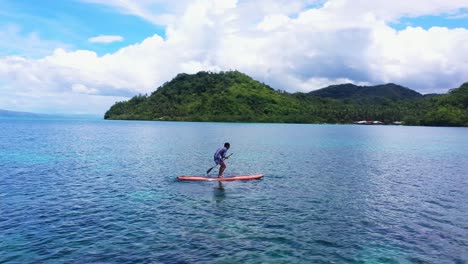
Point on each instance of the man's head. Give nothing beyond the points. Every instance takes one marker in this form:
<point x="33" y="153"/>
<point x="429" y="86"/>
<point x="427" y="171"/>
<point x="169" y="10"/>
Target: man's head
<point x="227" y="145"/>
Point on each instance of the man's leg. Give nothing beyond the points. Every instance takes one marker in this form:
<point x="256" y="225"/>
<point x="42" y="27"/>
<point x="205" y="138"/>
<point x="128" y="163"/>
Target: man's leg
<point x="221" y="169"/>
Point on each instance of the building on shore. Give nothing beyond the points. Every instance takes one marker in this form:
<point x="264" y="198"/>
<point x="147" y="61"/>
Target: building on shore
<point x="368" y="122"/>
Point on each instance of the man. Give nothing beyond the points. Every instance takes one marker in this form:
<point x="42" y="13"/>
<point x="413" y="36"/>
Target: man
<point x="219" y="157"/>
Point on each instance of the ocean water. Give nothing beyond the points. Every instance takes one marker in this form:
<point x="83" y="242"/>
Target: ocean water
<point x="95" y="191"/>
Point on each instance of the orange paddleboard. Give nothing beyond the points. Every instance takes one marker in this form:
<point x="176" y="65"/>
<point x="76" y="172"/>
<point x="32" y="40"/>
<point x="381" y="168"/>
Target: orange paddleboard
<point x="235" y="178"/>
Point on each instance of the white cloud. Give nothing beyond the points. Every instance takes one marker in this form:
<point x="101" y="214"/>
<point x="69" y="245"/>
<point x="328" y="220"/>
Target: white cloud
<point x="395" y="9"/>
<point x="80" y="88"/>
<point x="105" y="39"/>
<point x="428" y="60"/>
<point x="58" y="103"/>
<point x="272" y="22"/>
<point x="459" y="16"/>
<point x="279" y="43"/>
<point x="13" y="41"/>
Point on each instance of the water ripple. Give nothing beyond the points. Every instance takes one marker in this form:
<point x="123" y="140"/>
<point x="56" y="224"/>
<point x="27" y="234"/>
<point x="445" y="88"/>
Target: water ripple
<point x="105" y="192"/>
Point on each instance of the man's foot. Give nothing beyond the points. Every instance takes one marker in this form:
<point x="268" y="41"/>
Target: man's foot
<point x="220" y="176"/>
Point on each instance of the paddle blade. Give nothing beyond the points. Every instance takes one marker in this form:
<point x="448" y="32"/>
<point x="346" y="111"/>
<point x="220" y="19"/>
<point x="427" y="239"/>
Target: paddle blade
<point x="209" y="170"/>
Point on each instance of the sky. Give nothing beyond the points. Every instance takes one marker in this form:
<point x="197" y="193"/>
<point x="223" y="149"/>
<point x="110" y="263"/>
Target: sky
<point x="82" y="56"/>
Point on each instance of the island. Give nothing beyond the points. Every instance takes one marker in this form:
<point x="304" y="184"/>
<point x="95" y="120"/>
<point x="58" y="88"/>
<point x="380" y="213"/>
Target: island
<point x="236" y="97"/>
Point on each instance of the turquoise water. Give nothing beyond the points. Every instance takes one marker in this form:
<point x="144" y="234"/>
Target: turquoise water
<point x="77" y="191"/>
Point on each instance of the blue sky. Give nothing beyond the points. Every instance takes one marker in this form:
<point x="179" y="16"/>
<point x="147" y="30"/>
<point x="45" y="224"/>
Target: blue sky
<point x="49" y="62"/>
<point x="71" y="23"/>
<point x="458" y="20"/>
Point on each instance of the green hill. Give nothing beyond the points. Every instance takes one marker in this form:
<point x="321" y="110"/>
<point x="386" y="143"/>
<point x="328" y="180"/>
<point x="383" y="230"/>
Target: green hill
<point x="236" y="97"/>
<point x="225" y="96"/>
<point x="351" y="91"/>
<point x="446" y="110"/>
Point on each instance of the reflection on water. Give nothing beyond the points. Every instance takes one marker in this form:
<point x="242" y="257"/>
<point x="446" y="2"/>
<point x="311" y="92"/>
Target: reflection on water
<point x="219" y="193"/>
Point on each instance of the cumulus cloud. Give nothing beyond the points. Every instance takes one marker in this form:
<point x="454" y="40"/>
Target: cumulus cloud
<point x="434" y="59"/>
<point x="290" y="45"/>
<point x="105" y="39"/>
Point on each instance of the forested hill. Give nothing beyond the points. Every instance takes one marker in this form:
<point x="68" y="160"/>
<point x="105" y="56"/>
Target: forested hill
<point x="351" y="91"/>
<point x="225" y="96"/>
<point x="235" y="97"/>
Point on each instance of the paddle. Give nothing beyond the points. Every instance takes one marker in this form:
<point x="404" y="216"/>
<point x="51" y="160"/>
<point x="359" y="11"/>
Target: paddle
<point x="208" y="171"/>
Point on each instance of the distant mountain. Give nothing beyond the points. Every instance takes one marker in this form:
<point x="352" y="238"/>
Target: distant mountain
<point x="351" y="91"/>
<point x="8" y="113"/>
<point x="16" y="114"/>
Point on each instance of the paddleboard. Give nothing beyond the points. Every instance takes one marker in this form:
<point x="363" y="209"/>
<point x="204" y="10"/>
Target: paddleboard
<point x="235" y="178"/>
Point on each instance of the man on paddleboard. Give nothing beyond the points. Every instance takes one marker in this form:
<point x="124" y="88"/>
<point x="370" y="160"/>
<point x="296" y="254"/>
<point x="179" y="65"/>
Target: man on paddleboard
<point x="220" y="156"/>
